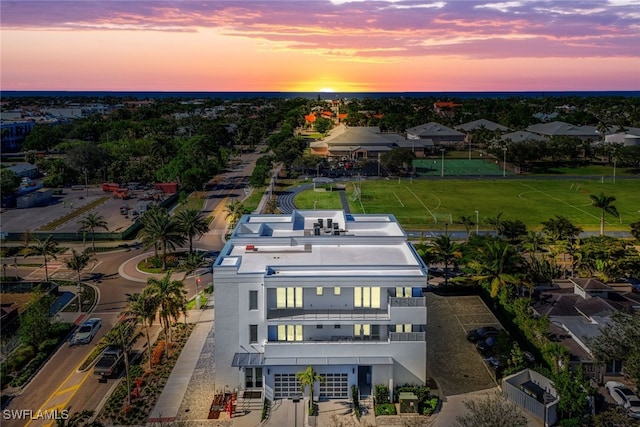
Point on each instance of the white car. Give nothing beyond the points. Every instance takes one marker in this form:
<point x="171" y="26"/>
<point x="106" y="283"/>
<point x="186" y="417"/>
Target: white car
<point x="624" y="397"/>
<point x="87" y="331"/>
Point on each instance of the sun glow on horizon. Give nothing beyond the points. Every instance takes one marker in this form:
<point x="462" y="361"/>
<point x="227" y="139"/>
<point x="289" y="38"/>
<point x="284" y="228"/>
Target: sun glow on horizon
<point x="327" y="89"/>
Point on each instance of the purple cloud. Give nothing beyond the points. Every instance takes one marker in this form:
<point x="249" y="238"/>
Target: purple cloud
<point x="373" y="29"/>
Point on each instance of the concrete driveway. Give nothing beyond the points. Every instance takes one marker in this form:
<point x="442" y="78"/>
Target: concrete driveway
<point x="453" y="362"/>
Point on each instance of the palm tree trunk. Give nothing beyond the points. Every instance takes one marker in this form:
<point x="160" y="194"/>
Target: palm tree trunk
<point x="46" y="269"/>
<point x="602" y="223"/>
<point x="164" y="256"/>
<point x="146" y="330"/>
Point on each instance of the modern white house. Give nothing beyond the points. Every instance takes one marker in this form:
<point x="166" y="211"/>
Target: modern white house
<point x="336" y="291"/>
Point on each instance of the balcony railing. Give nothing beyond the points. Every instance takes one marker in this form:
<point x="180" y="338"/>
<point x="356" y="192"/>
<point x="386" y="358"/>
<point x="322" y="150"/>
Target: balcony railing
<point x="407" y="302"/>
<point x="407" y="336"/>
<point x="328" y="314"/>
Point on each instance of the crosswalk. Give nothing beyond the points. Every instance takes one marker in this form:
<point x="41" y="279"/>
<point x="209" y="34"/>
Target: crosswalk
<point x="57" y="270"/>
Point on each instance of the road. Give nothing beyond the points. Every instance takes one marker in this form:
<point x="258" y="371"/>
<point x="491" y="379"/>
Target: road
<point x="60" y="385"/>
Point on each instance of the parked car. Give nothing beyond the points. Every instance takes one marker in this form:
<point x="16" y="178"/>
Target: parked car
<point x="86" y="331"/>
<point x="624" y="397"/>
<point x="479" y="334"/>
<point x="486" y="345"/>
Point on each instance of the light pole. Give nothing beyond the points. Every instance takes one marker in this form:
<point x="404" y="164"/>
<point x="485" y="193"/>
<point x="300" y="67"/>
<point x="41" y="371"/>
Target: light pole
<point x="446" y="255"/>
<point x="442" y="150"/>
<point x="614" y="170"/>
<point x="197" y="293"/>
<point x="470" y="148"/>
<point x="477" y="220"/>
<point x="504" y="161"/>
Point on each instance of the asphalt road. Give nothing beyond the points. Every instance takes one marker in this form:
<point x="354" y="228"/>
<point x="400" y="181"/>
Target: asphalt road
<point x="59" y="384"/>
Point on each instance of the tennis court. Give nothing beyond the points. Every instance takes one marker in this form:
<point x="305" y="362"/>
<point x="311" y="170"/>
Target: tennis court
<point x="458" y="167"/>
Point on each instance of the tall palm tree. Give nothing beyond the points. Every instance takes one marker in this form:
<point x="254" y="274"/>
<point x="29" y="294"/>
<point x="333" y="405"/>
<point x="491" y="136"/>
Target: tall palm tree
<point x="444" y="250"/>
<point x="467" y="222"/>
<point x="77" y="262"/>
<point x="534" y="242"/>
<point x="235" y="209"/>
<point x="144" y="307"/>
<point x="194" y="224"/>
<point x="496" y="223"/>
<point x="171" y="301"/>
<point x="604" y="202"/>
<point x="496" y="264"/>
<point x="89" y="223"/>
<point x="45" y="248"/>
<point x="160" y="227"/>
<point x="308" y="378"/>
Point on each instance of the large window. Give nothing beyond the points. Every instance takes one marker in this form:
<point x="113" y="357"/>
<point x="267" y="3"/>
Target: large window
<point x="367" y="297"/>
<point x="366" y="332"/>
<point x="289" y="332"/>
<point x="253" y="300"/>
<point x="403" y="292"/>
<point x="289" y="298"/>
<point x="253" y="334"/>
<point x="403" y="327"/>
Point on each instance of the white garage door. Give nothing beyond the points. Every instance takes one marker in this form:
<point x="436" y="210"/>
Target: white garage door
<point x="335" y="386"/>
<point x="286" y="386"/>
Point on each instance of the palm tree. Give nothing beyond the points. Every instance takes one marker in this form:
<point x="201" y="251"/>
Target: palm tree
<point x="170" y="298"/>
<point x="89" y="223"/>
<point x="160" y="227"/>
<point x="194" y="224"/>
<point x="560" y="228"/>
<point x="144" y="307"/>
<point x="604" y="203"/>
<point x="45" y="248"/>
<point x="496" y="264"/>
<point x="235" y="210"/>
<point x="468" y="222"/>
<point x="445" y="250"/>
<point x="308" y="378"/>
<point x="635" y="229"/>
<point x="533" y="242"/>
<point x="558" y="354"/>
<point x="496" y="223"/>
<point x="78" y="262"/>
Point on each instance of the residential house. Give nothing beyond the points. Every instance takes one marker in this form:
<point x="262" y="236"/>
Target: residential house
<point x="436" y="134"/>
<point x="339" y="292"/>
<point x="549" y="130"/>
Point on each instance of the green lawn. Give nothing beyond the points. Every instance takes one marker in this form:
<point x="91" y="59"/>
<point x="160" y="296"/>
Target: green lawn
<point x="428" y="204"/>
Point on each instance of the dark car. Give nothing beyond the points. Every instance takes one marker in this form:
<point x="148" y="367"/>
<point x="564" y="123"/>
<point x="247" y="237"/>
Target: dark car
<point x="486" y="345"/>
<point x="479" y="334"/>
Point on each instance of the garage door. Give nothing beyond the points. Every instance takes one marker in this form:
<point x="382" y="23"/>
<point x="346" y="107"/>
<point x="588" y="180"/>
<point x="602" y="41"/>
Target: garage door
<point x="335" y="386"/>
<point x="286" y="386"/>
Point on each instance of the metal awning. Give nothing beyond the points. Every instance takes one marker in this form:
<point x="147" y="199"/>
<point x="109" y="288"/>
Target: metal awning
<point x="248" y="360"/>
<point x="328" y="361"/>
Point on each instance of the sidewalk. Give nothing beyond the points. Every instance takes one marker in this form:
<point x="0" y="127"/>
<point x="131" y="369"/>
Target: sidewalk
<point x="193" y="370"/>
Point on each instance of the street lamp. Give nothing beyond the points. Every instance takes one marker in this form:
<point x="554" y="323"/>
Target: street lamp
<point x="614" y="170"/>
<point x="446" y="255"/>
<point x="477" y="221"/>
<point x="442" y="150"/>
<point x="504" y="161"/>
<point x="197" y="293"/>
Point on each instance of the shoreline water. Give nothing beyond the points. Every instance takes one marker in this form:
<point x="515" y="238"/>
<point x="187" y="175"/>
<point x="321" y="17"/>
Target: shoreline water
<point x="309" y="95"/>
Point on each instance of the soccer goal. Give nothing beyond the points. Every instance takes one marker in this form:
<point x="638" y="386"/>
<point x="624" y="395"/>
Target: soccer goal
<point x="442" y="217"/>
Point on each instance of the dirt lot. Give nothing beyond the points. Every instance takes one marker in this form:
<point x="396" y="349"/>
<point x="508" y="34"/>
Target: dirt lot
<point x="452" y="361"/>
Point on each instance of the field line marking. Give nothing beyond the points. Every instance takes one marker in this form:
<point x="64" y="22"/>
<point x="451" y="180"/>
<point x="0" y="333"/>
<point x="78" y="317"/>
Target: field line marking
<point x="394" y="193"/>
<point x="562" y="201"/>
<point x="425" y="206"/>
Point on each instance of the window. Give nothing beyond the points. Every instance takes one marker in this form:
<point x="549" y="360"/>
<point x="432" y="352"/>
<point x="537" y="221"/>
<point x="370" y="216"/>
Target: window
<point x="289" y="298"/>
<point x="403" y="327"/>
<point x="253" y="300"/>
<point x="336" y="290"/>
<point x="367" y="297"/>
<point x="403" y="292"/>
<point x="319" y="326"/>
<point x="253" y="334"/>
<point x="336" y="326"/>
<point x="289" y="332"/>
<point x="366" y="332"/>
<point x="319" y="290"/>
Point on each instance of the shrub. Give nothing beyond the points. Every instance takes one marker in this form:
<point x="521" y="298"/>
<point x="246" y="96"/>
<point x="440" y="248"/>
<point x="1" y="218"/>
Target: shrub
<point x="266" y="406"/>
<point x="356" y="402"/>
<point x="385" y="409"/>
<point x="158" y="353"/>
<point x="381" y="393"/>
<point x="429" y="406"/>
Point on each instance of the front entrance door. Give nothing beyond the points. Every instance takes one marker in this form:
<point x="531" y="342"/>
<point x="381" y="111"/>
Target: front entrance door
<point x="364" y="380"/>
<point x="252" y="378"/>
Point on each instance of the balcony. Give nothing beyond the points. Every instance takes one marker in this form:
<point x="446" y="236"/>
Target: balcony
<point x="301" y="314"/>
<point x="407" y="336"/>
<point x="407" y="302"/>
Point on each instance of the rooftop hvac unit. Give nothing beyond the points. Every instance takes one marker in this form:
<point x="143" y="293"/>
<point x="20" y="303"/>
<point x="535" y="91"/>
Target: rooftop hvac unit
<point x="321" y="222"/>
<point x="329" y="222"/>
<point x="335" y="225"/>
<point x="316" y="231"/>
<point x="336" y="232"/>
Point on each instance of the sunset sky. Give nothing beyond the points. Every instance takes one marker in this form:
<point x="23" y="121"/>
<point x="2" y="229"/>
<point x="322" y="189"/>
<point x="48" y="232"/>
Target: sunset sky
<point x="320" y="45"/>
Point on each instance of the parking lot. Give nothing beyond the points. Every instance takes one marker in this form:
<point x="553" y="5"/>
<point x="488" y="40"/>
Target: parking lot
<point x="452" y="361"/>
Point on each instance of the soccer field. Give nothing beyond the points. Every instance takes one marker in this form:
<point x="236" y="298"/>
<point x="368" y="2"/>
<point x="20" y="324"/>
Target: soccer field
<point x="428" y="204"/>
